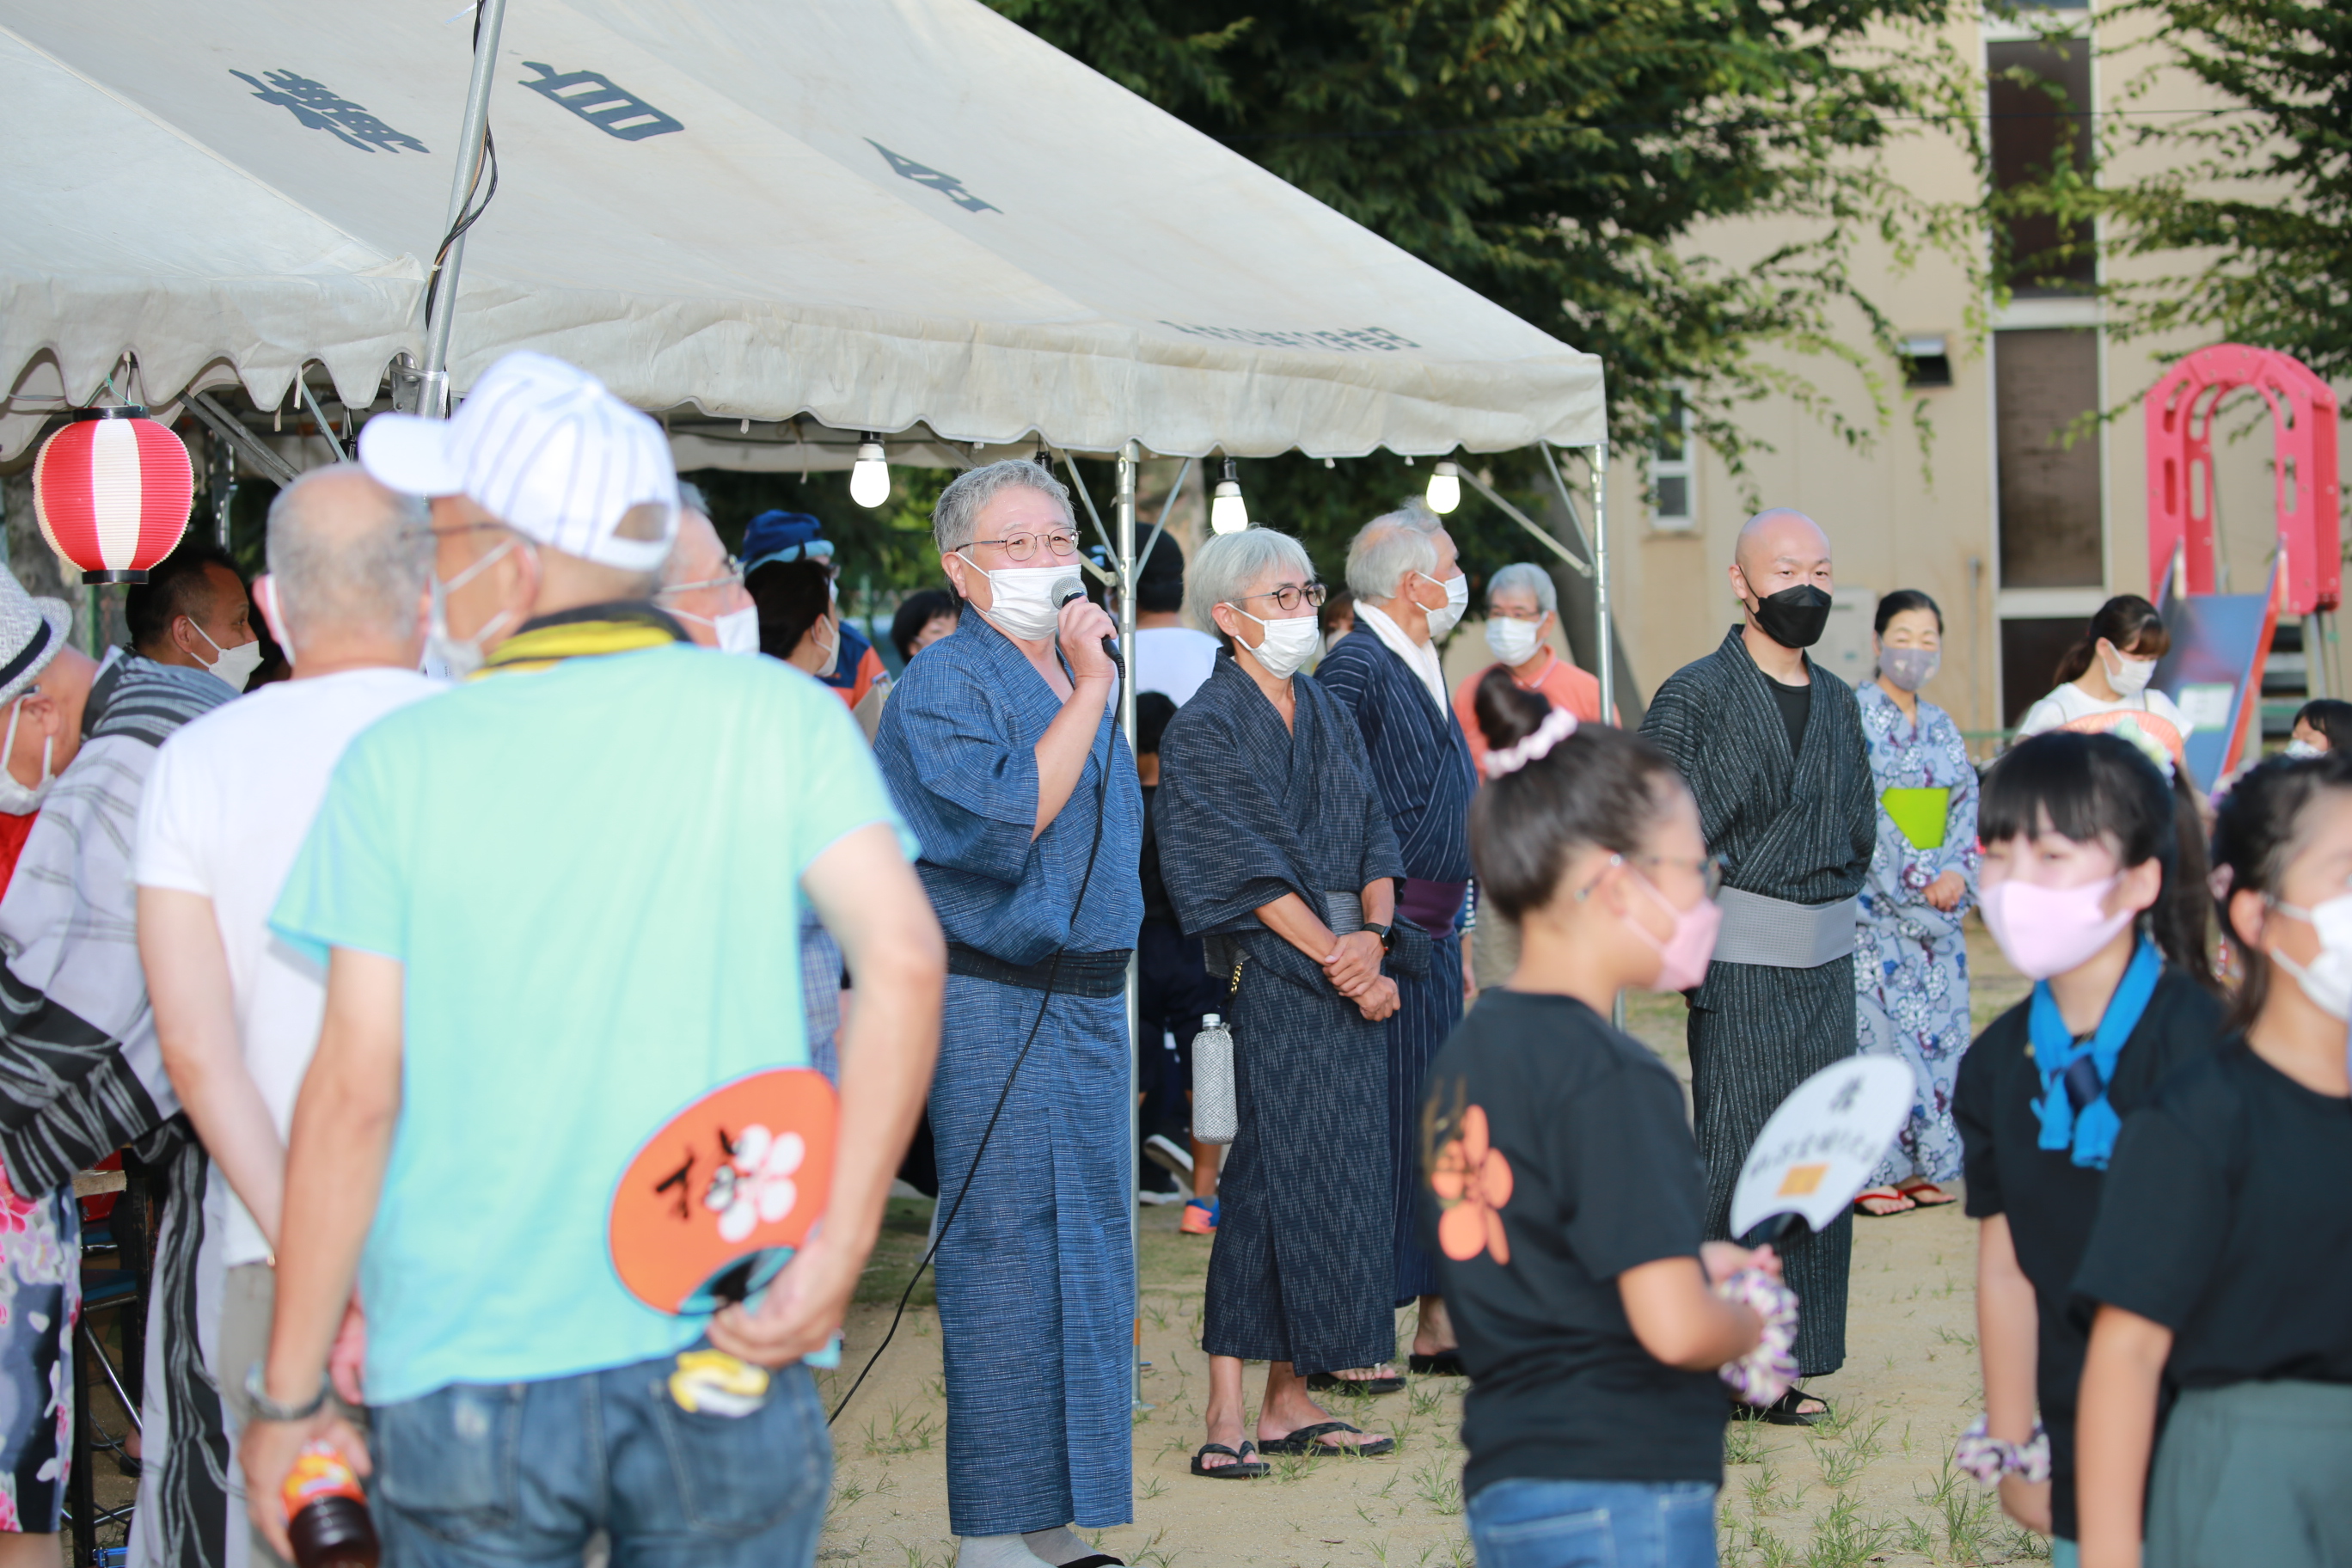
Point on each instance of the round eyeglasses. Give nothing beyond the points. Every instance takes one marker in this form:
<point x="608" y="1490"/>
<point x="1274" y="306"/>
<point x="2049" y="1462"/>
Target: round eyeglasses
<point x="1290" y="596"/>
<point x="1023" y="546"/>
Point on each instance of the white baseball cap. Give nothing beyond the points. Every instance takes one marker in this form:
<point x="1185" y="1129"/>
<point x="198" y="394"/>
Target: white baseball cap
<point x="540" y="446"/>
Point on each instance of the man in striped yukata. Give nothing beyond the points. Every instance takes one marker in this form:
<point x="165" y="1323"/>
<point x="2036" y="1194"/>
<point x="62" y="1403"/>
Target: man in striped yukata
<point x="1771" y="747"/>
<point x="1410" y="592"/>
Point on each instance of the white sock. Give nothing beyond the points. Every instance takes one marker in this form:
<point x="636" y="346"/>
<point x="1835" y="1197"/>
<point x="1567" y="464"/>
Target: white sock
<point x="997" y="1552"/>
<point x="1058" y="1545"/>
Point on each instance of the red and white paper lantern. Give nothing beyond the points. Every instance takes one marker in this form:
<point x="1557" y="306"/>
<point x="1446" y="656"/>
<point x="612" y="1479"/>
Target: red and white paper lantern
<point x="112" y="491"/>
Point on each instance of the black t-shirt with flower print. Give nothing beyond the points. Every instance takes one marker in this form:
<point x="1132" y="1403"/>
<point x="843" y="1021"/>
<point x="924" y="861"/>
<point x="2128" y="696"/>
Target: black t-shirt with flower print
<point x="1555" y="1155"/>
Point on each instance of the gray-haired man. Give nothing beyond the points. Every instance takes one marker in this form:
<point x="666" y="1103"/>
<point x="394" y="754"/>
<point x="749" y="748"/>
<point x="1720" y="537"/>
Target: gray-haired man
<point x="1000" y="751"/>
<point x="237" y="1012"/>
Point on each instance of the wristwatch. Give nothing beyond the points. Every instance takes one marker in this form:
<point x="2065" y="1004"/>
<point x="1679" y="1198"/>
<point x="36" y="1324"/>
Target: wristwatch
<point x="268" y="1409"/>
<point x="1386" y="934"/>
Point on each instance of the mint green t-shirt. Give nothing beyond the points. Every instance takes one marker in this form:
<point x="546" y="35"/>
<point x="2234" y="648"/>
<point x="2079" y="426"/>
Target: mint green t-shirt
<point x="590" y="874"/>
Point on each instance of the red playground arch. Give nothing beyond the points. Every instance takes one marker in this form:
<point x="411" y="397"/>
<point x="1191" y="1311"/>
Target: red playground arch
<point x="2224" y="639"/>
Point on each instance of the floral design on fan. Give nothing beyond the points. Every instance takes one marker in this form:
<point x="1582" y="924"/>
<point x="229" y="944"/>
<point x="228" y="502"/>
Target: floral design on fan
<point x="1473" y="1181"/>
<point x="755" y="1185"/>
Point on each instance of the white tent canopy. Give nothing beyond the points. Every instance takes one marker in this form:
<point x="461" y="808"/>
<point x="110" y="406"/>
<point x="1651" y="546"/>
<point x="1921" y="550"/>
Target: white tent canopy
<point x="885" y="213"/>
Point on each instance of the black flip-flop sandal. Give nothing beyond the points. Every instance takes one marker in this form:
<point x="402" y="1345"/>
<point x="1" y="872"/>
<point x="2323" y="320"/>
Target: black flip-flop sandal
<point x="1242" y="1469"/>
<point x="1784" y="1411"/>
<point x="1097" y="1561"/>
<point x="1307" y="1440"/>
<point x="1321" y="1381"/>
<point x="1445" y="1364"/>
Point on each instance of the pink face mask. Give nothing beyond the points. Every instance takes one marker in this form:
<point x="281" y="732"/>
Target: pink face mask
<point x="2049" y="931"/>
<point x="1682" y="957"/>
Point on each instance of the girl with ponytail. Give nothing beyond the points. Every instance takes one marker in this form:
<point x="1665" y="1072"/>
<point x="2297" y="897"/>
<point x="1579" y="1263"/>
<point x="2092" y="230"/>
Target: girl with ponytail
<point x="1561" y="1185"/>
<point x="2107" y="672"/>
<point x="2093" y="879"/>
<point x="2222" y="1257"/>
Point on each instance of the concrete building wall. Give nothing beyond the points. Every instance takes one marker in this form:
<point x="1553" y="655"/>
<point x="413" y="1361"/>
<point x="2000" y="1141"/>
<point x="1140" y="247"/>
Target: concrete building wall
<point x="1919" y="507"/>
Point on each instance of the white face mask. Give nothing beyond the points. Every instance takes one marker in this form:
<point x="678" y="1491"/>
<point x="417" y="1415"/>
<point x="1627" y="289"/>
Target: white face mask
<point x="234" y="666"/>
<point x="2301" y="749"/>
<point x="1457" y="599"/>
<point x="1023" y="603"/>
<point x="833" y="654"/>
<point x="737" y="631"/>
<point x="1513" y="641"/>
<point x="462" y="656"/>
<point x="1287" y="645"/>
<point x="2328" y="979"/>
<point x="16" y="799"/>
<point x="2132" y="678"/>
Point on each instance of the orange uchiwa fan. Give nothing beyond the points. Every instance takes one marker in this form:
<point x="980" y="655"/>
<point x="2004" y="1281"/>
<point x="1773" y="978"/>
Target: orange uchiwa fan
<point x="714" y="1203"/>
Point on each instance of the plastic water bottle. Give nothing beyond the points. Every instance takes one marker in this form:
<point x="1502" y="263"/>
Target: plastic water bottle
<point x="1215" y="1114"/>
<point x="327" y="1512"/>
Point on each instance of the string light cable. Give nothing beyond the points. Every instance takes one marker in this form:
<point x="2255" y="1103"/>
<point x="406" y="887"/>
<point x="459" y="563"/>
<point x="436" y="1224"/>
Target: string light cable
<point x="1053" y="972"/>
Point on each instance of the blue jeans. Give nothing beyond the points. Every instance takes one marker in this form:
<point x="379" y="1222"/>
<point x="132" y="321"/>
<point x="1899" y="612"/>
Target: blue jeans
<point x="1595" y="1524"/>
<point x="477" y="1474"/>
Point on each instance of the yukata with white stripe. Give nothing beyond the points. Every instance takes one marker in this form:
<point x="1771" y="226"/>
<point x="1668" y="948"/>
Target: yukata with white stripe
<point x="1036" y="1277"/>
<point x="1419" y="762"/>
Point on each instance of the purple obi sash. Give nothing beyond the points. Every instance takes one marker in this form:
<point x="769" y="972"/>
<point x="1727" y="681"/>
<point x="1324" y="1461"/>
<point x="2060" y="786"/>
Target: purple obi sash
<point x="1431" y="906"/>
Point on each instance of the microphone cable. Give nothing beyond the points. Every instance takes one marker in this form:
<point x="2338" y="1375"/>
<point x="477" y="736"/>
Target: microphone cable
<point x="1053" y="970"/>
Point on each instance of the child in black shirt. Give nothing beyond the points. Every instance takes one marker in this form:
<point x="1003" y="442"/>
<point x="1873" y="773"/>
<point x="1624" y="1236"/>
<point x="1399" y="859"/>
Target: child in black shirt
<point x="2094" y="886"/>
<point x="1562" y="1190"/>
<point x="2222" y="1260"/>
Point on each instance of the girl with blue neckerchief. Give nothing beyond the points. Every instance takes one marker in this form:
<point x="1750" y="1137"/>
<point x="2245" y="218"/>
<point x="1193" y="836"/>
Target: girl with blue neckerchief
<point x="2094" y="884"/>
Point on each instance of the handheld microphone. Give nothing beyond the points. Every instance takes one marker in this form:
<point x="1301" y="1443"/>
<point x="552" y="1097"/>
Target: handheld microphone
<point x="1070" y="588"/>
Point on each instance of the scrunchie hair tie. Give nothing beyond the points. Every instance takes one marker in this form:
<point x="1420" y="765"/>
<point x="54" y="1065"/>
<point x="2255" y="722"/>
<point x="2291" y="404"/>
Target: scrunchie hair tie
<point x="1557" y="726"/>
<point x="1988" y="1458"/>
<point x="1765" y="1373"/>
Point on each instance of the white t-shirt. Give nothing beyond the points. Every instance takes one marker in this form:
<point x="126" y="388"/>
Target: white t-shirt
<point x="225" y="809"/>
<point x="1173" y="659"/>
<point x="2070" y="702"/>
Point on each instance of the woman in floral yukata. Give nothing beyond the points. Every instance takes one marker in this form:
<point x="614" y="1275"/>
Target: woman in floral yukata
<point x="1911" y="958"/>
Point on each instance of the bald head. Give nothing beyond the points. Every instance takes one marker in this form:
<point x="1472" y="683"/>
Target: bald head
<point x="1776" y="549"/>
<point x="347" y="557"/>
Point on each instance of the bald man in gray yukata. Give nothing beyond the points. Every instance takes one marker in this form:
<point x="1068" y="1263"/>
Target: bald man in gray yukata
<point x="1771" y="746"/>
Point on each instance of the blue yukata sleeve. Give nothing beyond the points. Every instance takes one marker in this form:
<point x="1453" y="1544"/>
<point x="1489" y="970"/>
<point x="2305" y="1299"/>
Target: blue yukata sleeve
<point x="1960" y="852"/>
<point x="967" y="788"/>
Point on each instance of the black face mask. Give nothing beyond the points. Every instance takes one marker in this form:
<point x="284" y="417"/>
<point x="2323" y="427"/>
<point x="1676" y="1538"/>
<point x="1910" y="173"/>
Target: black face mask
<point x="1794" y="618"/>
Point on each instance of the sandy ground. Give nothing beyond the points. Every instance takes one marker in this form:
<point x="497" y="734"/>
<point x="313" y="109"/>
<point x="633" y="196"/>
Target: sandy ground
<point x="1873" y="1486"/>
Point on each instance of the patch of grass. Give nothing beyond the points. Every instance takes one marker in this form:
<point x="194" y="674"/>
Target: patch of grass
<point x="1841" y="1462"/>
<point x="1843" y="1539"/>
<point x="905" y="1436"/>
<point x="1152" y="1487"/>
<point x="1440" y="1485"/>
<point x="2020" y="1542"/>
<point x="1761" y="1503"/>
<point x="1743" y="1442"/>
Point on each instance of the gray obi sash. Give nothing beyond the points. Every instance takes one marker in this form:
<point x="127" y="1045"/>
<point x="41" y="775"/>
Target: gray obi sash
<point x="1781" y="935"/>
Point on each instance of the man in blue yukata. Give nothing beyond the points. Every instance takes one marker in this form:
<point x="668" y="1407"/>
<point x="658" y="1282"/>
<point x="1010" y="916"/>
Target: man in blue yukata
<point x="1000" y="748"/>
<point x="1410" y="592"/>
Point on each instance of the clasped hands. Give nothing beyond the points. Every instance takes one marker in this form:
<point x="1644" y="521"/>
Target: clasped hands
<point x="1354" y="970"/>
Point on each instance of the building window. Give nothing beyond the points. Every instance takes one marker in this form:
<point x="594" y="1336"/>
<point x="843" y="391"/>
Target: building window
<point x="2044" y="382"/>
<point x="1669" y="473"/>
<point x="2040" y="101"/>
<point x="1930" y="362"/>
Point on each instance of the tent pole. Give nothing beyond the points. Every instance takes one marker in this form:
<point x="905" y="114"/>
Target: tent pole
<point x="492" y="17"/>
<point x="1603" y="620"/>
<point x="1131" y="457"/>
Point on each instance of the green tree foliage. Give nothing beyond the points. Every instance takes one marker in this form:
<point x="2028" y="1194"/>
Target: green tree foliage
<point x="1564" y="158"/>
<point x="2253" y="201"/>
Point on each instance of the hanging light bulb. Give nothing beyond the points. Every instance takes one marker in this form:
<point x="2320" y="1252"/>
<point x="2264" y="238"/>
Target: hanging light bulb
<point x="869" y="480"/>
<point x="1228" y="513"/>
<point x="1444" y="488"/>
